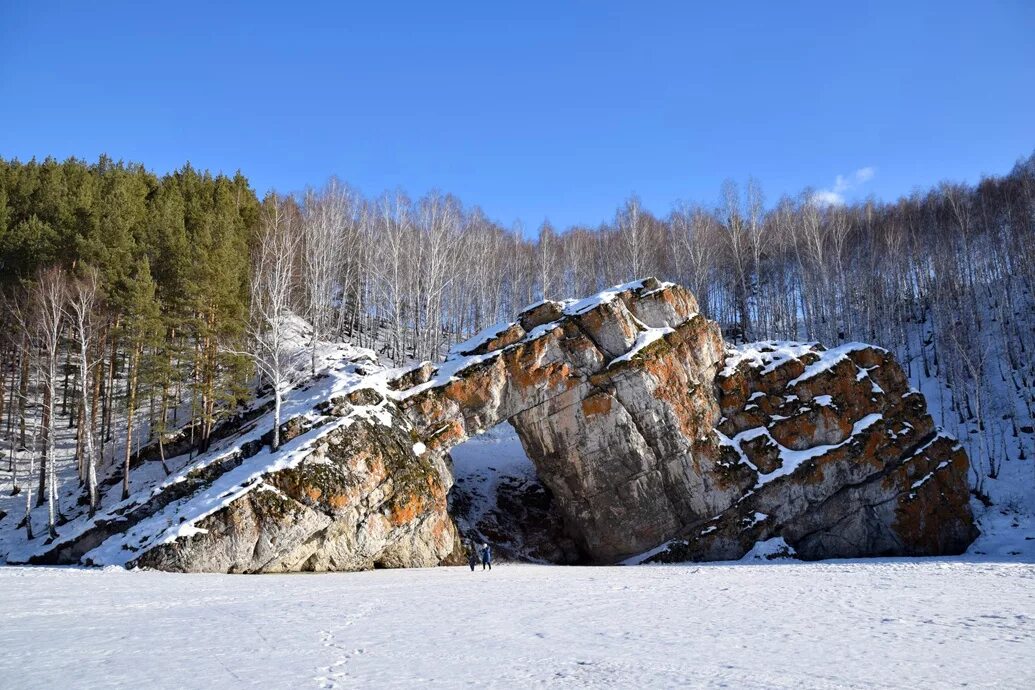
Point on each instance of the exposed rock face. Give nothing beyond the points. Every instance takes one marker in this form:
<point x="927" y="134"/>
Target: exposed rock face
<point x="609" y="396"/>
<point x="360" y="499"/>
<point x="648" y="433"/>
<point x="646" y="429"/>
<point x="834" y="454"/>
<point x="350" y="489"/>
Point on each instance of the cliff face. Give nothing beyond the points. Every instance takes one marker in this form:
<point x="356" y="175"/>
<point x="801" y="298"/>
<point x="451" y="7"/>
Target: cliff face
<point x="613" y="400"/>
<point x="647" y="429"/>
<point x="652" y="438"/>
<point x="361" y="498"/>
<point x="834" y="456"/>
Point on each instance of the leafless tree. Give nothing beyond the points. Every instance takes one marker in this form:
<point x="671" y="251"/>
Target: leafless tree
<point x="325" y="231"/>
<point x="49" y="295"/>
<point x="84" y="295"/>
<point x="272" y="282"/>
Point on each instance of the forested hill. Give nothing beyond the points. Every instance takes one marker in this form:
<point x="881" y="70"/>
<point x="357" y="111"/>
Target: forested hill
<point x="171" y="255"/>
<point x="128" y="297"/>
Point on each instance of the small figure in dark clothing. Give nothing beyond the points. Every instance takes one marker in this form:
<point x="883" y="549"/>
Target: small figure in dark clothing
<point x="472" y="556"/>
<point x="486" y="557"/>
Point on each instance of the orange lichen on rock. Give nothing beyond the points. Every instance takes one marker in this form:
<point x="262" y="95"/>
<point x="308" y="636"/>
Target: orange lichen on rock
<point x="405" y="510"/>
<point x="598" y="403"/>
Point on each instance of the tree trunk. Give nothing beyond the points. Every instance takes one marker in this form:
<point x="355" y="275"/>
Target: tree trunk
<point x="41" y="496"/>
<point x="134" y="365"/>
<point x="86" y="429"/>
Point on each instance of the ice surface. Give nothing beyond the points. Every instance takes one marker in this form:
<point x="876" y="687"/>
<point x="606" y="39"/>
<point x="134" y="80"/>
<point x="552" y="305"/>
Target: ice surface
<point x="779" y="624"/>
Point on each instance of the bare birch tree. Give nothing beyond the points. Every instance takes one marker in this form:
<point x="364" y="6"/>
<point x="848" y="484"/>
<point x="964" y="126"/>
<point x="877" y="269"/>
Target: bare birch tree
<point x="272" y="282"/>
<point x="84" y="295"/>
<point x="324" y="233"/>
<point x="50" y="294"/>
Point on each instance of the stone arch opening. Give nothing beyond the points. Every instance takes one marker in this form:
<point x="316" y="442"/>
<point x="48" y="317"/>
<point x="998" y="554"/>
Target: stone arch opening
<point x="497" y="497"/>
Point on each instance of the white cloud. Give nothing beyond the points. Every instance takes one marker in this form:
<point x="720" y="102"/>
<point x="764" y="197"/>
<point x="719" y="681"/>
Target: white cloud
<point x="835" y="196"/>
<point x="865" y="174"/>
<point x="825" y="197"/>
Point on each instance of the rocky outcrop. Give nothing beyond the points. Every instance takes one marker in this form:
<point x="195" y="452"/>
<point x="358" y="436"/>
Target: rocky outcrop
<point x="351" y="488"/>
<point x="835" y="456"/>
<point x="651" y="438"/>
<point x="609" y="396"/>
<point x="646" y="429"/>
<point x="363" y="497"/>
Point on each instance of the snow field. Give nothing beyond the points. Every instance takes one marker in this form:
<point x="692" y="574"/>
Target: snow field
<point x="899" y="623"/>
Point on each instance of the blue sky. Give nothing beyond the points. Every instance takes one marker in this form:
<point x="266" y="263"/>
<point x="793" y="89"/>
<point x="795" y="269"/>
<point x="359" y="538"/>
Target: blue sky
<point x="531" y="110"/>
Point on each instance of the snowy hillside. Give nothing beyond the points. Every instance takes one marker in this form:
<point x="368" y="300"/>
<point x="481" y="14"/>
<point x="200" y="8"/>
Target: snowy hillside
<point x="161" y="507"/>
<point x="1004" y="505"/>
<point x="496" y="491"/>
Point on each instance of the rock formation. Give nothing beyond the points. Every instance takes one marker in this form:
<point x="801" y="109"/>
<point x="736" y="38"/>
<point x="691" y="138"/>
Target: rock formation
<point x="362" y="498"/>
<point x="350" y="489"/>
<point x="834" y="456"/>
<point x="652" y="437"/>
<point x="646" y="428"/>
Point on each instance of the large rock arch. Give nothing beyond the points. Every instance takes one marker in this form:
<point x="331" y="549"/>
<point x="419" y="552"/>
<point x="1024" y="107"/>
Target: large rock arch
<point x="648" y="430"/>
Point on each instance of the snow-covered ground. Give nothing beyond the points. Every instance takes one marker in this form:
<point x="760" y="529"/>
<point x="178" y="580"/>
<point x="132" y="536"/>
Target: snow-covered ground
<point x="916" y="624"/>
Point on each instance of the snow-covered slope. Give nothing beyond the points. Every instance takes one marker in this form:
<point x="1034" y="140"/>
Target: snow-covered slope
<point x="161" y="508"/>
<point x="1006" y="515"/>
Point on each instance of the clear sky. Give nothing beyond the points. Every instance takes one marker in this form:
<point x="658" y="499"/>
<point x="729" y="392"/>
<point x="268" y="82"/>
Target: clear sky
<point x="533" y="110"/>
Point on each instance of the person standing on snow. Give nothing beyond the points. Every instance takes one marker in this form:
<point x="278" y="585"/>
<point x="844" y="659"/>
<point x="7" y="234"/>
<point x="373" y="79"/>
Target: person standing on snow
<point x="472" y="555"/>
<point x="486" y="557"/>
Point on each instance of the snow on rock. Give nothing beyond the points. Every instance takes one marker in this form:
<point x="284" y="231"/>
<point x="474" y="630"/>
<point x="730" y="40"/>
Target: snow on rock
<point x="828" y="359"/>
<point x="482" y="339"/>
<point x="769" y="550"/>
<point x="767" y="355"/>
<point x="837" y="470"/>
<point x="791" y="460"/>
<point x="603" y="297"/>
<point x="643" y="340"/>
